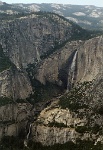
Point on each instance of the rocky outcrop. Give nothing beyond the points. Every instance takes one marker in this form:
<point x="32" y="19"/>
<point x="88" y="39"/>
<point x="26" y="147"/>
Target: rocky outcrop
<point x="56" y="67"/>
<point x="53" y="135"/>
<point x="60" y="116"/>
<point x="33" y="40"/>
<point x="55" y="125"/>
<point x="90" y="56"/>
<point x="28" y="37"/>
<point x="14" y="118"/>
<point x="88" y="62"/>
<point x="14" y="84"/>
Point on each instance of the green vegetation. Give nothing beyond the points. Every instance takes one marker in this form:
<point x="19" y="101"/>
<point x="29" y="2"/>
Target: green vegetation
<point x="56" y="124"/>
<point x="81" y="129"/>
<point x="93" y="129"/>
<point x="4" y="61"/>
<point x="99" y="110"/>
<point x="5" y="100"/>
<point x="15" y="143"/>
<point x="6" y="17"/>
<point x="77" y="97"/>
<point x="41" y="92"/>
<point x="11" y="143"/>
<point x="4" y="64"/>
<point x="56" y="47"/>
<point x="21" y="101"/>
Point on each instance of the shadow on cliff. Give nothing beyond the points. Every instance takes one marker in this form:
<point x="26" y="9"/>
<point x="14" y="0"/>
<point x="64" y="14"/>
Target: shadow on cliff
<point x="64" y="72"/>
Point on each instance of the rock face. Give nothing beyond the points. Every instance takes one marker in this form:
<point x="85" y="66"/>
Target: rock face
<point x="14" y="84"/>
<point x="29" y="37"/>
<point x="90" y="56"/>
<point x="57" y="64"/>
<point x="55" y="125"/>
<point x="53" y="135"/>
<point x="14" y="118"/>
<point x="41" y="40"/>
<point x="27" y="40"/>
<point x="88" y="64"/>
<point x="57" y="115"/>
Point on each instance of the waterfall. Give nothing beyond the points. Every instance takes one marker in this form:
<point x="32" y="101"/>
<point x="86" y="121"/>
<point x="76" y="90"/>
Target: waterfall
<point x="72" y="71"/>
<point x="74" y="62"/>
<point x="37" y="55"/>
<point x="27" y="137"/>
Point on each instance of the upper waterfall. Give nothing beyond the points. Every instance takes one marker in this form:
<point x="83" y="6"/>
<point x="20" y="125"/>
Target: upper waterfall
<point x="72" y="71"/>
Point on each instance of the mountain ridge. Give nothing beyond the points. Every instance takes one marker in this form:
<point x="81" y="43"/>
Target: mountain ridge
<point x="51" y="85"/>
<point x="87" y="16"/>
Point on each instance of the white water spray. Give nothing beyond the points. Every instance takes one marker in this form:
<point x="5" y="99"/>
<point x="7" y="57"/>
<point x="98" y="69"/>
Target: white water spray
<point x="71" y="74"/>
<point x="29" y="132"/>
<point x="38" y="56"/>
<point x="27" y="137"/>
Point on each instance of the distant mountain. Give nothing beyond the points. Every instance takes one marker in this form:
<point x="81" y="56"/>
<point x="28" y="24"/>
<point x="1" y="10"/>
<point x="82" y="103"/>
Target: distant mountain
<point x="87" y="16"/>
<point x="10" y="9"/>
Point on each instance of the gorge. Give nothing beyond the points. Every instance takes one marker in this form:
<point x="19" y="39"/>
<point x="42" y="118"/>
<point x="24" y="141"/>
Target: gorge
<point x="51" y="81"/>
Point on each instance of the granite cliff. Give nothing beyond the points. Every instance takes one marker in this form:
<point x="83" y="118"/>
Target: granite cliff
<point x="76" y="61"/>
<point x="14" y="118"/>
<point x="15" y="84"/>
<point x="44" y="48"/>
<point x="77" y="115"/>
<point x="27" y="40"/>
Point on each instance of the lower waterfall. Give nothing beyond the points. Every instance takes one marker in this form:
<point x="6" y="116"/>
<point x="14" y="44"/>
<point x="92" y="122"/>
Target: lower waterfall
<point x="27" y="137"/>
